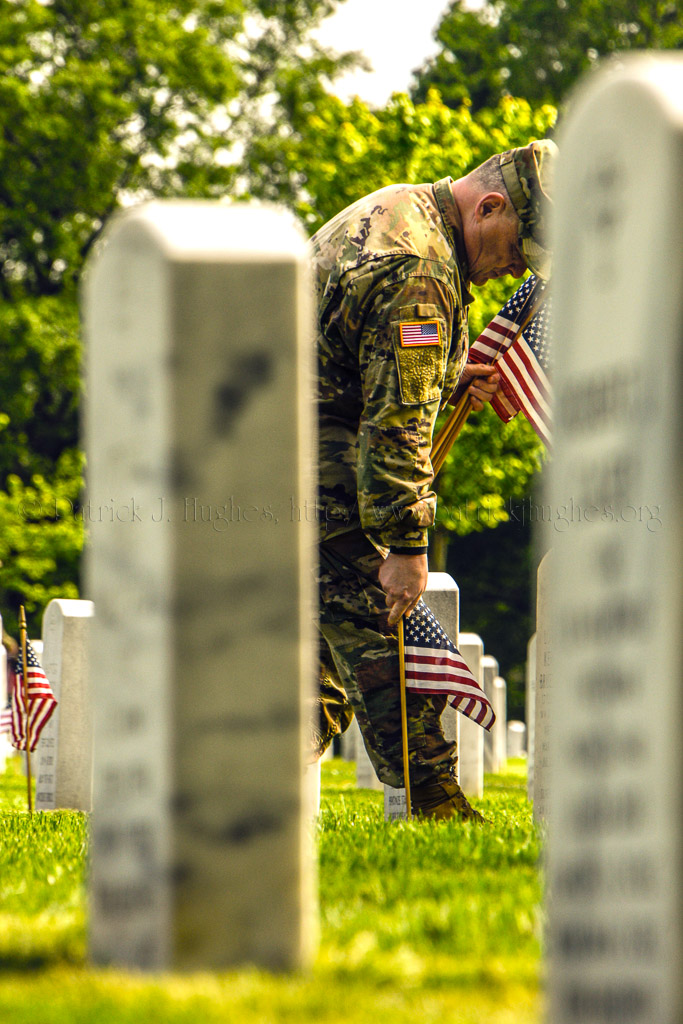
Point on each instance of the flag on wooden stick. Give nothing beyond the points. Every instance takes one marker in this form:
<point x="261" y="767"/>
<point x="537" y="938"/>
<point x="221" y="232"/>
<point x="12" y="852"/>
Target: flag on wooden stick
<point x="522" y="359"/>
<point x="41" y="701"/>
<point x="433" y="664"/>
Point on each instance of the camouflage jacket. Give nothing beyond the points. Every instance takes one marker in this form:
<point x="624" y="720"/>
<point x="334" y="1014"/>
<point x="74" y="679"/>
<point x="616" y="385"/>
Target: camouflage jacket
<point x="390" y="275"/>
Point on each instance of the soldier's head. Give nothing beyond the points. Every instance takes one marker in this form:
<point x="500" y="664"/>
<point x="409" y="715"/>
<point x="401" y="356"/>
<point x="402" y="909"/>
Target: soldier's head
<point x="503" y="204"/>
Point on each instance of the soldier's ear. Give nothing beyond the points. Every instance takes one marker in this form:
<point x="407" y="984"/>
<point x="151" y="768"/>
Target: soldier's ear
<point x="491" y="203"/>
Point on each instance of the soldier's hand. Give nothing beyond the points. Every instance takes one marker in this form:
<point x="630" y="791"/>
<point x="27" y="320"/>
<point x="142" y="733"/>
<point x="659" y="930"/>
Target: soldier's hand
<point x="403" y="579"/>
<point x="483" y="380"/>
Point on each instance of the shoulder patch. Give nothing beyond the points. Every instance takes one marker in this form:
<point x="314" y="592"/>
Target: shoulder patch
<point x="423" y="332"/>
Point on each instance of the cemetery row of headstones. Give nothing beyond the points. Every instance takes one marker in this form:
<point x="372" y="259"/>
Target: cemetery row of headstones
<point x="201" y="846"/>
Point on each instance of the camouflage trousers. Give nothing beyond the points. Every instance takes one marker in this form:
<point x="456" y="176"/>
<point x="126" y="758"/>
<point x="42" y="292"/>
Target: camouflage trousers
<point x="359" y="670"/>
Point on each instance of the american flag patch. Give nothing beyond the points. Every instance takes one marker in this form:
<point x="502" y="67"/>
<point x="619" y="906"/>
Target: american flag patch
<point x="424" y="333"/>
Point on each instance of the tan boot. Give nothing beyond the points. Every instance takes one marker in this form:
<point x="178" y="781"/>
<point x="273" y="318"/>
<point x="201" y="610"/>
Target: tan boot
<point x="443" y="799"/>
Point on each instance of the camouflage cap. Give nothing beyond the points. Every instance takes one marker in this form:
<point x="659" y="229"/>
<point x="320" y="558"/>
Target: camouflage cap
<point x="527" y="173"/>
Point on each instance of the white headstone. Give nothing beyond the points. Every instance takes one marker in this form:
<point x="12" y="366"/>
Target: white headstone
<point x="542" y="746"/>
<point x="394" y="804"/>
<point x="63" y="765"/>
<point x="516" y="738"/>
<point x="490" y="669"/>
<point x="616" y="887"/>
<point x="500" y="726"/>
<point x="530" y="711"/>
<point x="200" y="567"/>
<point x="442" y="597"/>
<point x="471" y="735"/>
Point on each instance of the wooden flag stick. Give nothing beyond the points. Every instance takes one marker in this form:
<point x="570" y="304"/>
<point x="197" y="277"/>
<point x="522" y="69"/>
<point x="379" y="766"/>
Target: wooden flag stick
<point x="449" y="432"/>
<point x="404" y="717"/>
<point x="27" y="730"/>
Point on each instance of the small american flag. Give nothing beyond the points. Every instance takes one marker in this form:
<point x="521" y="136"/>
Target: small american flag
<point x="40" y="698"/>
<point x="523" y="364"/>
<point x="433" y="664"/>
<point x="425" y="333"/>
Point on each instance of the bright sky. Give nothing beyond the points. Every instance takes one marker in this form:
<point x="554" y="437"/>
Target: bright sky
<point x="395" y="35"/>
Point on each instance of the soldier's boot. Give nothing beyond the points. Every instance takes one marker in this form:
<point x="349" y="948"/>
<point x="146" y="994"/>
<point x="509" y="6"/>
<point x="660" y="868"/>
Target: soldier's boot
<point x="443" y="799"/>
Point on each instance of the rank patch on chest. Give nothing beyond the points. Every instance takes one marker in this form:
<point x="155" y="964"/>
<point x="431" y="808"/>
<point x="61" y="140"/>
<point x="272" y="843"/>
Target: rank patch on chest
<point x="426" y="332"/>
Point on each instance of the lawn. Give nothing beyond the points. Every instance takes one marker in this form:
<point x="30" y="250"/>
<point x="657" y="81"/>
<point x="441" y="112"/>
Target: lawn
<point x="421" y="922"/>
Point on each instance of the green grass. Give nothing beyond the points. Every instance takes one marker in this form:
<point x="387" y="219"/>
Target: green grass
<point x="427" y="923"/>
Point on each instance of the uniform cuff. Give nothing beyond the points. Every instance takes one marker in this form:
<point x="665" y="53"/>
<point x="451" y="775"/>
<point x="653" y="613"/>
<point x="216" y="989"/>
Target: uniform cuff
<point x="394" y="550"/>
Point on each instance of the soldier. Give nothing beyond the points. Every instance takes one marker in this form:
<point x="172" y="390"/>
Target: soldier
<point x="392" y="275"/>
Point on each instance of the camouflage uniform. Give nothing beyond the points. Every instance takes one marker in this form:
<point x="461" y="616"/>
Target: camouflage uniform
<point x="391" y="290"/>
<point x="390" y="273"/>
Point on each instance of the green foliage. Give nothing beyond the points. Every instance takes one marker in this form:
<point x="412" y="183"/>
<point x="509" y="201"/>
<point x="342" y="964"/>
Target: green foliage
<point x="103" y="105"/>
<point x="41" y="539"/>
<point x="490" y="465"/>
<point x="419" y="921"/>
<point x="538" y="48"/>
<point x="39" y="383"/>
<point x="331" y="153"/>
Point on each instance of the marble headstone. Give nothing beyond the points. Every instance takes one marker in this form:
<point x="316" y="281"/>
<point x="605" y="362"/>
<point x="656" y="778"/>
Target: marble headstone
<point x="471" y="735"/>
<point x="442" y="597"/>
<point x="516" y="738"/>
<point x="616" y="836"/>
<point x="63" y="758"/>
<point x="198" y="326"/>
<point x="544" y="678"/>
<point x="490" y="668"/>
<point x="500" y="726"/>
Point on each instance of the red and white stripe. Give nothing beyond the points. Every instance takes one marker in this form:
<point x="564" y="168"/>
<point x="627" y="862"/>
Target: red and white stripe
<point x="525" y="382"/>
<point x="42" y="704"/>
<point x="445" y="671"/>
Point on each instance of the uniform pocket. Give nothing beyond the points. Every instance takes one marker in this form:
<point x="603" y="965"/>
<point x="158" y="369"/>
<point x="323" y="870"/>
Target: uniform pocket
<point x="420" y="348"/>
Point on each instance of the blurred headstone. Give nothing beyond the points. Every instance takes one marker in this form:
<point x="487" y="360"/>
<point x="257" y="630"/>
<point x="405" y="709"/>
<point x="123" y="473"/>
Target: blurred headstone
<point x="500" y="726"/>
<point x="200" y="568"/>
<point x="516" y="738"/>
<point x="544" y="681"/>
<point x="530" y="712"/>
<point x="614" y="856"/>
<point x="471" y="735"/>
<point x="490" y="669"/>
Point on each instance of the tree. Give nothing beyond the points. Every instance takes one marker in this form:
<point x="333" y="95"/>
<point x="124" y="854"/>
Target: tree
<point x="538" y="48"/>
<point x="102" y="105"/>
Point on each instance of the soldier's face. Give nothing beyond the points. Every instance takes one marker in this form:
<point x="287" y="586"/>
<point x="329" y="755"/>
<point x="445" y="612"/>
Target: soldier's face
<point x="492" y="243"/>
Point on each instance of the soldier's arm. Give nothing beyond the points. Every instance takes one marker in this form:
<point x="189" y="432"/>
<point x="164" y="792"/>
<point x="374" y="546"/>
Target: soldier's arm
<point x="404" y="347"/>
